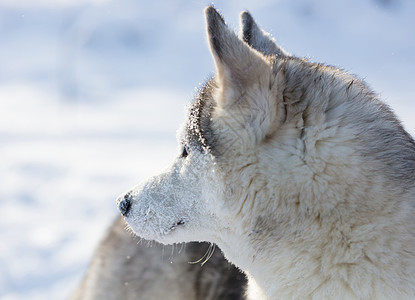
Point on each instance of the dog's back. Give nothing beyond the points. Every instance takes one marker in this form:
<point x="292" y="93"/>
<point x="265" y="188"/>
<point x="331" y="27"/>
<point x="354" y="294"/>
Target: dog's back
<point x="123" y="269"/>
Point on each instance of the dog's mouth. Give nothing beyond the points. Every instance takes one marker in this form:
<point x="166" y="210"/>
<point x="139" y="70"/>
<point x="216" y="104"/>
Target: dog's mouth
<point x="180" y="223"/>
<point x="150" y="233"/>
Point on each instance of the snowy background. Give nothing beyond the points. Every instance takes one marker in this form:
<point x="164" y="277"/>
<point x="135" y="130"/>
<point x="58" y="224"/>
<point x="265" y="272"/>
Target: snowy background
<point x="92" y="91"/>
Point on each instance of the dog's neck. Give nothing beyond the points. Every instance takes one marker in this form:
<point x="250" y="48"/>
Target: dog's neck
<point x="274" y="274"/>
<point x="323" y="259"/>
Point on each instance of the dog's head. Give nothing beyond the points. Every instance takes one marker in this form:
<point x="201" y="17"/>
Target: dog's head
<point x="232" y="113"/>
<point x="269" y="137"/>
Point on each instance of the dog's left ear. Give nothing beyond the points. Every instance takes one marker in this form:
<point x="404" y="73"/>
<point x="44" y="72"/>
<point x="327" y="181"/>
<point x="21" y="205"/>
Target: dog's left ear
<point x="238" y="66"/>
<point x="257" y="38"/>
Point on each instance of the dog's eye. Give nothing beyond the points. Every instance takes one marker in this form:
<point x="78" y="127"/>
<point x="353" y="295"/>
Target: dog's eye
<point x="185" y="152"/>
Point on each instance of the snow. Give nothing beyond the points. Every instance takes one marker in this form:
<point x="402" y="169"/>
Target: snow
<point x="92" y="92"/>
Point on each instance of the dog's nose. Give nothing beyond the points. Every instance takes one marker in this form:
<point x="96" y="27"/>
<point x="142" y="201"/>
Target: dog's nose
<point x="124" y="204"/>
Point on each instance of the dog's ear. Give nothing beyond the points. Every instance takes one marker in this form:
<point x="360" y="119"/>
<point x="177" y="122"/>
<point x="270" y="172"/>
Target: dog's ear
<point x="238" y="66"/>
<point x="257" y="38"/>
<point x="245" y="78"/>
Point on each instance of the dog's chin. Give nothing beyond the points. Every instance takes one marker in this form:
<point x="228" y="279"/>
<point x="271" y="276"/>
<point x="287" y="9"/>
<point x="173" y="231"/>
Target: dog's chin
<point x="176" y="233"/>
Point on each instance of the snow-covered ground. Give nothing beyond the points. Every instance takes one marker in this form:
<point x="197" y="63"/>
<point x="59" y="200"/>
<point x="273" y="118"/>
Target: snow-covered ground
<point x="92" y="91"/>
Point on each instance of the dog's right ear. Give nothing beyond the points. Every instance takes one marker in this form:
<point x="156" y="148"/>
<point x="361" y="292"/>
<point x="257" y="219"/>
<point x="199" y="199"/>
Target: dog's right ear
<point x="238" y="66"/>
<point x="244" y="78"/>
<point x="257" y="38"/>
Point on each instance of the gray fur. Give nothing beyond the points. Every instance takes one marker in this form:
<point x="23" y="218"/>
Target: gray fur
<point x="380" y="137"/>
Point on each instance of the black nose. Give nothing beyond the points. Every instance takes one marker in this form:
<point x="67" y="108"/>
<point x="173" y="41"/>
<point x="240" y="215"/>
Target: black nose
<point x="124" y="204"/>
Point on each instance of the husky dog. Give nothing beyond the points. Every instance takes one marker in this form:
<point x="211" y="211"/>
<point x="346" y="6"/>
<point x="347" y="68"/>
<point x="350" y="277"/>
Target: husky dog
<point x="296" y="170"/>
<point x="123" y="269"/>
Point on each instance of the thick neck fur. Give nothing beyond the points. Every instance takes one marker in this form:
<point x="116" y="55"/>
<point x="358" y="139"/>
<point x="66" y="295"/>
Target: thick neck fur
<point x="356" y="254"/>
<point x="323" y="215"/>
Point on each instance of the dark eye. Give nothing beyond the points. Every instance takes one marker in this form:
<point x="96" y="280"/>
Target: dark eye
<point x="185" y="152"/>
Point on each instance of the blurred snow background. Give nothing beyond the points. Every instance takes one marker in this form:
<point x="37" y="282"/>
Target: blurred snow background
<point x="92" y="91"/>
